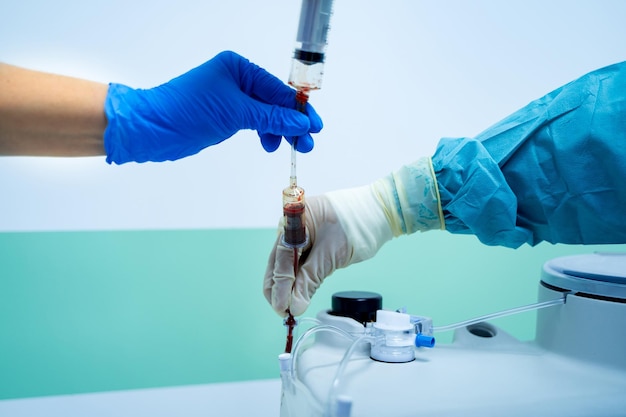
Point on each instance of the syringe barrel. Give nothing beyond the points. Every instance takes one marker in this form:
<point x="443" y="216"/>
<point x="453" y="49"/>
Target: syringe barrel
<point x="313" y="29"/>
<point x="307" y="66"/>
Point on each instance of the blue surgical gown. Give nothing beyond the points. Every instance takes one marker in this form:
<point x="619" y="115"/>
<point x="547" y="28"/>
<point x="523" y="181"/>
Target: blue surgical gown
<point x="553" y="171"/>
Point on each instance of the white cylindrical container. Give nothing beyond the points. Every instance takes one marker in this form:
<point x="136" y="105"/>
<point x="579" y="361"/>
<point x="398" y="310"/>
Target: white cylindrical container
<point x="591" y="325"/>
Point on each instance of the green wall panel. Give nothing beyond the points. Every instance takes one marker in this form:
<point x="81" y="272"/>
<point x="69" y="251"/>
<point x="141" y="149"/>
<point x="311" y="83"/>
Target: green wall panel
<point x="99" y="311"/>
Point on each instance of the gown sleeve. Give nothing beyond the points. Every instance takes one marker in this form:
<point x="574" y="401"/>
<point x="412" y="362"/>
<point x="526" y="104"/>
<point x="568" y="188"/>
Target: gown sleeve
<point x="553" y="171"/>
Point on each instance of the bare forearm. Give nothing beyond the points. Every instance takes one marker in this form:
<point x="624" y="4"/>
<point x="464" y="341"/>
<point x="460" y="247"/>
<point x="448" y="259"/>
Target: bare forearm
<point x="50" y="115"/>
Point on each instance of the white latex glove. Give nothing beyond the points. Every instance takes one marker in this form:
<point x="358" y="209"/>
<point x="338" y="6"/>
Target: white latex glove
<point x="350" y="226"/>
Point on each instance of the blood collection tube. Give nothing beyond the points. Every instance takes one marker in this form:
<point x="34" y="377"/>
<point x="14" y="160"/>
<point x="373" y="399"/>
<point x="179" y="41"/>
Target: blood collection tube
<point x="294" y="235"/>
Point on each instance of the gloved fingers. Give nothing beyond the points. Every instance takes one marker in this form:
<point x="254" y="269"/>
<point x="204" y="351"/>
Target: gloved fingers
<point x="306" y="284"/>
<point x="279" y="278"/>
<point x="314" y="119"/>
<point x="304" y="143"/>
<point x="276" y="120"/>
<point x="258" y="100"/>
<point x="329" y="250"/>
<point x="283" y="121"/>
<point x="272" y="137"/>
<point x="264" y="87"/>
<point x="269" y="141"/>
<point x="259" y="84"/>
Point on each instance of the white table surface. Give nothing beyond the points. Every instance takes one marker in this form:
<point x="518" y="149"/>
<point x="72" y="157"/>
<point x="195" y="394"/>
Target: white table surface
<point x="248" y="398"/>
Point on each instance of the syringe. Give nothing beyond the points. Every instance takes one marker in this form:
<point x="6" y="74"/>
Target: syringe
<point x="307" y="69"/>
<point x="307" y="65"/>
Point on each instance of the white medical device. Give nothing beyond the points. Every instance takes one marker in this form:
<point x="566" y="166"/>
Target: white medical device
<point x="362" y="361"/>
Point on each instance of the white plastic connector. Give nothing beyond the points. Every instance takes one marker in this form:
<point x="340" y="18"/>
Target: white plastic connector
<point x="343" y="406"/>
<point x="284" y="360"/>
<point x="394" y="337"/>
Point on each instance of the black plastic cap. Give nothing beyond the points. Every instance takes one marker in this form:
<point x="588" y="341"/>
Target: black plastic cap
<point x="358" y="305"/>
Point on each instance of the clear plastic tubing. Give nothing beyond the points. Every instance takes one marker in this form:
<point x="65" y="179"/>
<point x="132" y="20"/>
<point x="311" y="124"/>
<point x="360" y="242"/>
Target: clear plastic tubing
<point x="334" y="388"/>
<point x="504" y="313"/>
<point x="310" y="332"/>
<point x="311" y="320"/>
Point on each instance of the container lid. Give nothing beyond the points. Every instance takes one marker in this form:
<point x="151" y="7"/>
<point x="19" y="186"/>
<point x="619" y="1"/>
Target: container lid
<point x="392" y="320"/>
<point x="359" y="305"/>
<point x="601" y="274"/>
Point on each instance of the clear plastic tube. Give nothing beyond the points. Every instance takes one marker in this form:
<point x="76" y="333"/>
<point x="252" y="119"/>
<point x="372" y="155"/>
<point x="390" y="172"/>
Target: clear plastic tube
<point x="504" y="313"/>
<point x="334" y="388"/>
<point x="293" y="177"/>
<point x="307" y="334"/>
<point x="305" y="320"/>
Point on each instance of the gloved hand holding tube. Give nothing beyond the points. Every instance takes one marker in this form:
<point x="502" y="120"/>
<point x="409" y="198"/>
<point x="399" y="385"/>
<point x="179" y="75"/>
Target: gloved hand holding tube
<point x="553" y="171"/>
<point x="350" y="226"/>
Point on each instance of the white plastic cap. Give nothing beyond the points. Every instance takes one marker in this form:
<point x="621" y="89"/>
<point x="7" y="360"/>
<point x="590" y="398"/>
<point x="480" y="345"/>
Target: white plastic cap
<point x="391" y="320"/>
<point x="343" y="406"/>
<point x="284" y="359"/>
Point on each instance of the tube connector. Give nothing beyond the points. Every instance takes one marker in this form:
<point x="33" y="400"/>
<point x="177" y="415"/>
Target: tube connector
<point x="394" y="337"/>
<point x="284" y="361"/>
<point x="422" y="340"/>
<point x="343" y="406"/>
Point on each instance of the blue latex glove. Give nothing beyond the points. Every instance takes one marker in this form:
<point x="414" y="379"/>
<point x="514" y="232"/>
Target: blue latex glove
<point x="201" y="108"/>
<point x="553" y="171"/>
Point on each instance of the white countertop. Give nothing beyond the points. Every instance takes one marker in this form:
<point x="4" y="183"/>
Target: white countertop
<point x="236" y="399"/>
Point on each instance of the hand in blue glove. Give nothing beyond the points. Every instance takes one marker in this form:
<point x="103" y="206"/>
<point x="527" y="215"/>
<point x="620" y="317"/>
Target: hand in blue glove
<point x="201" y="108"/>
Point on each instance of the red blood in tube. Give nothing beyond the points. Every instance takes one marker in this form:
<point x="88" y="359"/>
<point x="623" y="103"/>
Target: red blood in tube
<point x="295" y="231"/>
<point x="291" y="323"/>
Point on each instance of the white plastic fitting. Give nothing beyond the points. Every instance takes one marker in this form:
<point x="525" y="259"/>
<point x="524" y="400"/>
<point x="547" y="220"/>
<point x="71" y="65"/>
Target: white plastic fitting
<point x="394" y="337"/>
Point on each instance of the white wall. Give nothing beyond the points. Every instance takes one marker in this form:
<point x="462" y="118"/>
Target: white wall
<point x="400" y="74"/>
